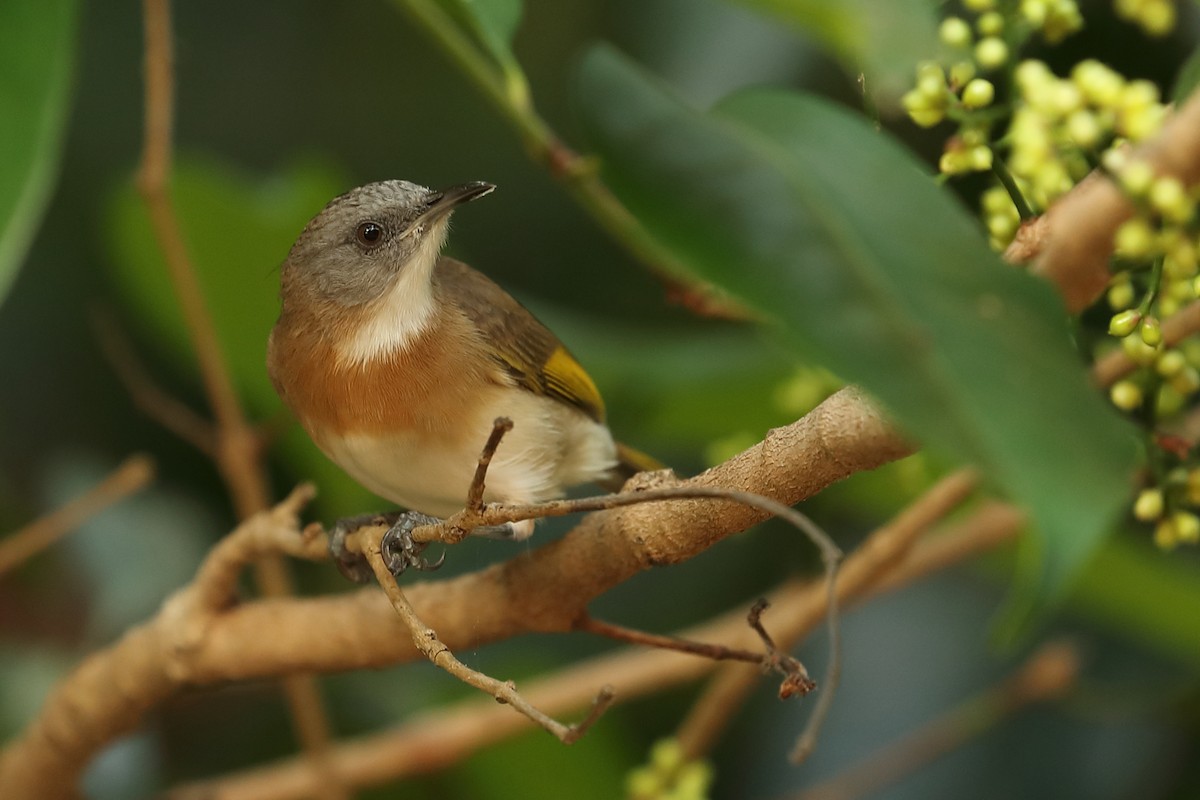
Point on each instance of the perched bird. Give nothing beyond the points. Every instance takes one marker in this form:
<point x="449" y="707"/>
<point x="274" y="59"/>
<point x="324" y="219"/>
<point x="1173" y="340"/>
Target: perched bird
<point x="397" y="361"/>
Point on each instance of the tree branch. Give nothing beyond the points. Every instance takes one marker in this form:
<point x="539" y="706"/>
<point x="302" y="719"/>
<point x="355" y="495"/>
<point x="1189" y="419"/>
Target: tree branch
<point x="547" y="589"/>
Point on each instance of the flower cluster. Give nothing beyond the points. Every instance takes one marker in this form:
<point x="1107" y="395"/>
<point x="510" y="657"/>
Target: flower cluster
<point x="1155" y="17"/>
<point x="1057" y="131"/>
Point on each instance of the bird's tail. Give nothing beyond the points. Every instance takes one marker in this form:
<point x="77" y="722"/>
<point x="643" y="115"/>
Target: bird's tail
<point x="629" y="463"/>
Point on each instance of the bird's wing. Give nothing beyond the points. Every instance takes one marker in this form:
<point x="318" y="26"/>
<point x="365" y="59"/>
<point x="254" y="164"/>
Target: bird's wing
<point x="526" y="348"/>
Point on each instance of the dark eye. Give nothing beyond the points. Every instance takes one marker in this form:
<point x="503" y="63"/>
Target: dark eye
<point x="369" y="234"/>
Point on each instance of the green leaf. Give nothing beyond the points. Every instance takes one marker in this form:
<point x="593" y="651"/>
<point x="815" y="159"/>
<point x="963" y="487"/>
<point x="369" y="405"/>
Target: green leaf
<point x="238" y="230"/>
<point x="1187" y="79"/>
<point x="805" y="212"/>
<point x="36" y="55"/>
<point x="882" y="38"/>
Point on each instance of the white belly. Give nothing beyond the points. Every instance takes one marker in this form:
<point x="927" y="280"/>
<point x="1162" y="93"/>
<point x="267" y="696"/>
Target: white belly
<point x="551" y="448"/>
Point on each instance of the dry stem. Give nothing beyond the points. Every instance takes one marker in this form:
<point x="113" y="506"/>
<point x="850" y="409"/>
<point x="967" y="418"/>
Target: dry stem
<point x="711" y="713"/>
<point x="426" y="640"/>
<point x="132" y="475"/>
<point x="237" y="451"/>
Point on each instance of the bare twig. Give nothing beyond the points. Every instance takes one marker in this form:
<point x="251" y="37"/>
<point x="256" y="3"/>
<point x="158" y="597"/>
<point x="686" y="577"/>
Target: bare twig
<point x="148" y="396"/>
<point x="711" y="713"/>
<point x="796" y="679"/>
<point x="1048" y="674"/>
<point x="426" y="640"/>
<point x="237" y="452"/>
<point x="132" y="475"/>
<point x="501" y="426"/>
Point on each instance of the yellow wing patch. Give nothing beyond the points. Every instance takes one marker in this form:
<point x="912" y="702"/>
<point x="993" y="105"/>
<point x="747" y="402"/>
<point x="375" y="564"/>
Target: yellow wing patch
<point x="564" y="377"/>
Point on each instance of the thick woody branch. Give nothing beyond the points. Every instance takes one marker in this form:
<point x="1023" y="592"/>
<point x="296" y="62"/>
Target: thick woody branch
<point x="1072" y="242"/>
<point x="545" y="590"/>
<point x="434" y="739"/>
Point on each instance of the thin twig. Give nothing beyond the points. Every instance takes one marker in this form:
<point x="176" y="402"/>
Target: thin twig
<point x="501" y="426"/>
<point x="1048" y="674"/>
<point x="426" y="640"/>
<point x="148" y="396"/>
<point x="872" y="561"/>
<point x="132" y="475"/>
<point x="238" y="451"/>
<point x="796" y="679"/>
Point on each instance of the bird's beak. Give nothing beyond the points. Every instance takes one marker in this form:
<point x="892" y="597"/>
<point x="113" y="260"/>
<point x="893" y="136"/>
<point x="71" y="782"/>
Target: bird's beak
<point x="440" y="203"/>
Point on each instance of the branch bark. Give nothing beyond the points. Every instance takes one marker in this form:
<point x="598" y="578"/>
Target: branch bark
<point x="192" y="642"/>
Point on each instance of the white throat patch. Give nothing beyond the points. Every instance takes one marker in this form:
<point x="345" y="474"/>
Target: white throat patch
<point x="404" y="311"/>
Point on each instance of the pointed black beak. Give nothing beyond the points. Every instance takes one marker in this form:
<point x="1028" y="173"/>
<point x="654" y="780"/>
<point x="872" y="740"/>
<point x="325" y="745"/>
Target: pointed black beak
<point x="442" y="202"/>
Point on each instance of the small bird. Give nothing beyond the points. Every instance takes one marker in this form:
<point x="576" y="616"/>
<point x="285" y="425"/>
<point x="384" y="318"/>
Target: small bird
<point x="398" y="360"/>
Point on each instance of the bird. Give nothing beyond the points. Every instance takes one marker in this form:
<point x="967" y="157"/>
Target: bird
<point x="398" y="360"/>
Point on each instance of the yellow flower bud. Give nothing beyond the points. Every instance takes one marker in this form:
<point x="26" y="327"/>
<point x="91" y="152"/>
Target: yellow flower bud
<point x="1151" y="331"/>
<point x="978" y="93"/>
<point x="1125" y="395"/>
<point x="991" y="52"/>
<point x="955" y="32"/>
<point x="1135" y="239"/>
<point x="1124" y="323"/>
<point x="1149" y="505"/>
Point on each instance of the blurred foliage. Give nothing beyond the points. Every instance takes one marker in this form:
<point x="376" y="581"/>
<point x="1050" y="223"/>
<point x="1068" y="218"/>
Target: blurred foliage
<point x="36" y="57"/>
<point x="786" y="200"/>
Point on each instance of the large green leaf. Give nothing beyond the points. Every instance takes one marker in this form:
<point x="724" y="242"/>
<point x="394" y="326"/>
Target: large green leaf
<point x="884" y="39"/>
<point x="36" y="54"/>
<point x="804" y="211"/>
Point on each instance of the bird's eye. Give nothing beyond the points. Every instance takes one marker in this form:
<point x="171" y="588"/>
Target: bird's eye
<point x="369" y="234"/>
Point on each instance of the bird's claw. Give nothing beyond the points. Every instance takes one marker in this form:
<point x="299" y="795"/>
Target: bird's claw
<point x="354" y="565"/>
<point x="400" y="552"/>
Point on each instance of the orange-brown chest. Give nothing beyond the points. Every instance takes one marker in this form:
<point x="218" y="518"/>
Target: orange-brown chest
<point x="429" y="386"/>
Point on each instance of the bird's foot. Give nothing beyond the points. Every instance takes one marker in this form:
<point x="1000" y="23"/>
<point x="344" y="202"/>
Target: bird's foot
<point x="400" y="551"/>
<point x="354" y="565"/>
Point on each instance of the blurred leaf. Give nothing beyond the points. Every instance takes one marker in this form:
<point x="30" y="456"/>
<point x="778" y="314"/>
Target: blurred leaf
<point x="238" y="231"/>
<point x="803" y="211"/>
<point x="37" y="40"/>
<point x="1187" y="79"/>
<point x="882" y="38"/>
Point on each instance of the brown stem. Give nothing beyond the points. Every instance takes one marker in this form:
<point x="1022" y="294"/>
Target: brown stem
<point x="726" y="694"/>
<point x="132" y="475"/>
<point x="237" y="454"/>
<point x="426" y="640"/>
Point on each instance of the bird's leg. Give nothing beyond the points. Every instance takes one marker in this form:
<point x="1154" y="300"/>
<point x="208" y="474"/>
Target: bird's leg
<point x="354" y="565"/>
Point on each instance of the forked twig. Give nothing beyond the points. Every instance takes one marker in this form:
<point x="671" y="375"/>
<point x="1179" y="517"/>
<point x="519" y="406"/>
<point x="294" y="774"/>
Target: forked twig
<point x="426" y="640"/>
<point x="795" y="677"/>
